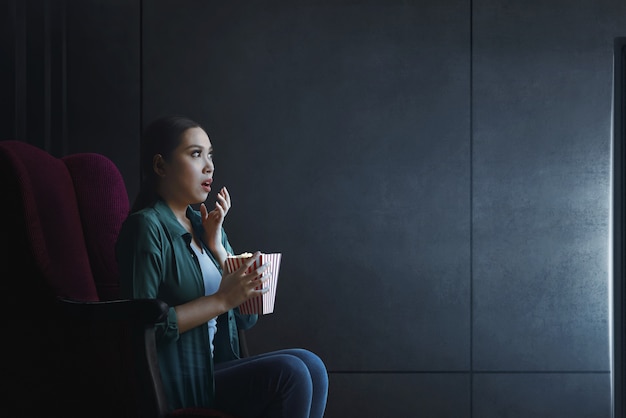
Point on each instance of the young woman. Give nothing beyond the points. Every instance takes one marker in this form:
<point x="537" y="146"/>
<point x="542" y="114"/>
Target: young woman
<point x="168" y="250"/>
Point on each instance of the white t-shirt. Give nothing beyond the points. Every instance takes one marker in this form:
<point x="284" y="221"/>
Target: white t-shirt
<point x="212" y="279"/>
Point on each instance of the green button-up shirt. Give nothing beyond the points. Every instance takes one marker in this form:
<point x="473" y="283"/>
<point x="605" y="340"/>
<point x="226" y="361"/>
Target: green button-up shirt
<point x="156" y="261"/>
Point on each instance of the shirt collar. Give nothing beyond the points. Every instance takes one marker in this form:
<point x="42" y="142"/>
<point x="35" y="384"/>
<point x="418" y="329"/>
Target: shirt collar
<point x="169" y="219"/>
<point x="172" y="224"/>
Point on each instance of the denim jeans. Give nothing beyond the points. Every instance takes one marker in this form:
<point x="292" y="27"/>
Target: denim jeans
<point x="291" y="383"/>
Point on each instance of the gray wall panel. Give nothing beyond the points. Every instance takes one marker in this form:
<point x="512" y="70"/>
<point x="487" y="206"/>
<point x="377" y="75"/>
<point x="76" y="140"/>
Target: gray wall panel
<point x="541" y="395"/>
<point x="541" y="190"/>
<point x="405" y="395"/>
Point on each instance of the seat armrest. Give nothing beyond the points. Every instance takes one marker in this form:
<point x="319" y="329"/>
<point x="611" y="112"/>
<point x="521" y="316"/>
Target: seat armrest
<point x="138" y="311"/>
<point x="108" y="350"/>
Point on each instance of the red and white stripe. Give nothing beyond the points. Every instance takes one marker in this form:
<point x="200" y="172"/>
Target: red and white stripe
<point x="263" y="304"/>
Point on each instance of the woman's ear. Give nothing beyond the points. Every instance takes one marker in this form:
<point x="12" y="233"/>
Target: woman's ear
<point x="158" y="165"/>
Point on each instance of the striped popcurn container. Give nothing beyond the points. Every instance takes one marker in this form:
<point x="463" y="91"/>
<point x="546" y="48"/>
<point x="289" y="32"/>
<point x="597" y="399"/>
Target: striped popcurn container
<point x="263" y="304"/>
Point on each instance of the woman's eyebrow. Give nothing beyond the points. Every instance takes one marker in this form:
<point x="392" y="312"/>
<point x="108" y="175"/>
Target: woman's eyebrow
<point x="193" y="146"/>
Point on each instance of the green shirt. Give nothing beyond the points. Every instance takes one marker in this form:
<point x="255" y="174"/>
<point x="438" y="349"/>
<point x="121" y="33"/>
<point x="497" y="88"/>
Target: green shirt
<point x="156" y="260"/>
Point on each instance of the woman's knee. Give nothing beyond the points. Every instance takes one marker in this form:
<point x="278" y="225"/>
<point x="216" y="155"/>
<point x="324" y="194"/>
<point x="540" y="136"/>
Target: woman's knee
<point x="313" y="362"/>
<point x="293" y="366"/>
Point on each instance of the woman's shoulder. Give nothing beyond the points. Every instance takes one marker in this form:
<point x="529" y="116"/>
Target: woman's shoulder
<point x="143" y="216"/>
<point x="143" y="221"/>
<point x="157" y="219"/>
<point x="141" y="228"/>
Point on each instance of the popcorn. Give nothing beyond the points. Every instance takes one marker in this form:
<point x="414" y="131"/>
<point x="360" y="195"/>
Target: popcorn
<point x="263" y="304"/>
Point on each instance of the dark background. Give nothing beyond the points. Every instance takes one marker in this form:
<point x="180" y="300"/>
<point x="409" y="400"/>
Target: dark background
<point x="436" y="173"/>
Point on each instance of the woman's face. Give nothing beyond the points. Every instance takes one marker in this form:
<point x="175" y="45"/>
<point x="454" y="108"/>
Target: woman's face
<point x="187" y="176"/>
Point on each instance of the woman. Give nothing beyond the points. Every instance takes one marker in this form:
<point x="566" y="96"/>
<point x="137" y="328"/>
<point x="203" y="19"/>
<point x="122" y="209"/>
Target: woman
<point x="168" y="250"/>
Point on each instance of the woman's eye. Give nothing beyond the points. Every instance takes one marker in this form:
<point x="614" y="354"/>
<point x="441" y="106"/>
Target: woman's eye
<point x="195" y="154"/>
<point x="210" y="156"/>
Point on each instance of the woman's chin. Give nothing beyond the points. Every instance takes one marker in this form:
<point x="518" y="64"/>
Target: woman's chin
<point x="201" y="198"/>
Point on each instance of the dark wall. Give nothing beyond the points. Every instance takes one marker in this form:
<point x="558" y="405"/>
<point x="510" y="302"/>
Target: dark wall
<point x="71" y="78"/>
<point x="104" y="81"/>
<point x="437" y="175"/>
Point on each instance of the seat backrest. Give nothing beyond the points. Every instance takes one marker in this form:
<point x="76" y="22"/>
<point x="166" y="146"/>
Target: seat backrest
<point x="43" y="216"/>
<point x="71" y="210"/>
<point x="103" y="205"/>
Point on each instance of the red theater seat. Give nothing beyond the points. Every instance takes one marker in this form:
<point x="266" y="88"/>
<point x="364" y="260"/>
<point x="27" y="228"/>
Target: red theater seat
<point x="72" y="347"/>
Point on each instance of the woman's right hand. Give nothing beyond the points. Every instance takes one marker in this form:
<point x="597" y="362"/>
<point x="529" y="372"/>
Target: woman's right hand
<point x="239" y="286"/>
<point x="235" y="288"/>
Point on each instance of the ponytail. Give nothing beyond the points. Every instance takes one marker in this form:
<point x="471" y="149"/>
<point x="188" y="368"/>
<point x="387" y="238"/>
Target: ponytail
<point x="146" y="196"/>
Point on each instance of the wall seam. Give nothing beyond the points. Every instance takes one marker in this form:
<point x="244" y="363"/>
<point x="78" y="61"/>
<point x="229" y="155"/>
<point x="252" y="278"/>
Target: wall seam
<point x="471" y="208"/>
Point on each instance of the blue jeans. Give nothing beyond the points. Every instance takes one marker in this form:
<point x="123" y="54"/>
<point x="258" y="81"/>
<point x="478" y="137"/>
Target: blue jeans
<point x="291" y="383"/>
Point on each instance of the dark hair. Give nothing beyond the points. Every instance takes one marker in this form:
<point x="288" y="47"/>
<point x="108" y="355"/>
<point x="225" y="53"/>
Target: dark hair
<point x="161" y="136"/>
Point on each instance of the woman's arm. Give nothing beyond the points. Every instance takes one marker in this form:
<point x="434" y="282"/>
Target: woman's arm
<point x="235" y="288"/>
<point x="212" y="223"/>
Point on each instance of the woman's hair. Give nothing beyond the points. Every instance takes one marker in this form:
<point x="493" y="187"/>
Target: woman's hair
<point x="161" y="136"/>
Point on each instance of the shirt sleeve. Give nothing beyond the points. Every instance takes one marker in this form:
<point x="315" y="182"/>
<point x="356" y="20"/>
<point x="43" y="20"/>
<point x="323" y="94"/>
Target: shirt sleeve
<point x="245" y="321"/>
<point x="140" y="251"/>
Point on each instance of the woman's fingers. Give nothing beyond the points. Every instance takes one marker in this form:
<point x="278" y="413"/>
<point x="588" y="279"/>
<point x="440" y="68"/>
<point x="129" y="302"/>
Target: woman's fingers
<point x="255" y="278"/>
<point x="223" y="202"/>
<point x="259" y="279"/>
<point x="248" y="263"/>
<point x="222" y="205"/>
<point x="204" y="212"/>
<point x="226" y="196"/>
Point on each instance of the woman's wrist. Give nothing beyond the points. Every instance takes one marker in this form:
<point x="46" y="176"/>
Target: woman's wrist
<point x="218" y="302"/>
<point x="220" y="254"/>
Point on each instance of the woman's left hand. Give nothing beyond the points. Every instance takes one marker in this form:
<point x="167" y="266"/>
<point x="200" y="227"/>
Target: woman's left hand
<point x="212" y="222"/>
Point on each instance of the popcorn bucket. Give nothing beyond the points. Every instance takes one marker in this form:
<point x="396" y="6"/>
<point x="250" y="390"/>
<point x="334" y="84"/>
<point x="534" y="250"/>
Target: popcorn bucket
<point x="263" y="304"/>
